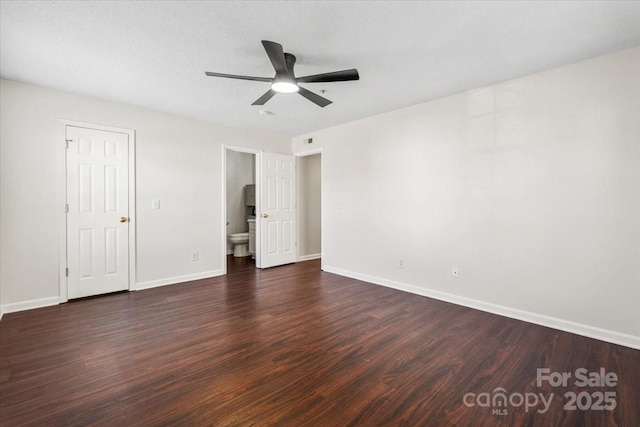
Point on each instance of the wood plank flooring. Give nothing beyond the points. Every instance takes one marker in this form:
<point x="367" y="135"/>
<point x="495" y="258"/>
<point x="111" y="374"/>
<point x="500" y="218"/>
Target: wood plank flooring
<point x="292" y="346"/>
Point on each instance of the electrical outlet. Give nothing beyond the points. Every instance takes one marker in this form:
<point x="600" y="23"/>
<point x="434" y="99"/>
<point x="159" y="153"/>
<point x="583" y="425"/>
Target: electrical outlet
<point x="194" y="255"/>
<point x="455" y="272"/>
<point x="400" y="262"/>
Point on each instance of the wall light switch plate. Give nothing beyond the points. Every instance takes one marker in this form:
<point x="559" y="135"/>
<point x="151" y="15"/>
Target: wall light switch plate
<point x="455" y="272"/>
<point x="155" y="204"/>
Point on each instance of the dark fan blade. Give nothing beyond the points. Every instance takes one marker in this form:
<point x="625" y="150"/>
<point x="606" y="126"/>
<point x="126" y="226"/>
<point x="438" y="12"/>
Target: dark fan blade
<point x="276" y="55"/>
<point x="336" y="76"/>
<point x="264" y="98"/>
<point x="315" y="98"/>
<point x="234" y="76"/>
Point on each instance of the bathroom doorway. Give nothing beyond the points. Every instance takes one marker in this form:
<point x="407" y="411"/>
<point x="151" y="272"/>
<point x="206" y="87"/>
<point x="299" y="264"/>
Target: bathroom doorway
<point x="272" y="219"/>
<point x="240" y="178"/>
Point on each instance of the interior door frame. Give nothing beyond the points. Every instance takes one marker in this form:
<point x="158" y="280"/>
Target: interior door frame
<point x="64" y="283"/>
<point x="298" y="198"/>
<point x="258" y="162"/>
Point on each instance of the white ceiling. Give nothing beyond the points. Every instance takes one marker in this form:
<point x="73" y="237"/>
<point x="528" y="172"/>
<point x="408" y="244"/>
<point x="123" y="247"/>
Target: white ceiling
<point x="154" y="54"/>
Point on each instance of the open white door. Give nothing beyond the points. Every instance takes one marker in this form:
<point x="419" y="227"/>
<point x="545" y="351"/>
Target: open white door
<point x="277" y="210"/>
<point x="97" y="211"/>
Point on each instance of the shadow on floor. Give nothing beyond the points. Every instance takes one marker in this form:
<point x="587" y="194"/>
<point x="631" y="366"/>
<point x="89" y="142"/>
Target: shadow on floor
<point x="236" y="265"/>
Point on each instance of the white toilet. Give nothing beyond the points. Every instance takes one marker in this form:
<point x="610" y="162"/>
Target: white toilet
<point x="240" y="241"/>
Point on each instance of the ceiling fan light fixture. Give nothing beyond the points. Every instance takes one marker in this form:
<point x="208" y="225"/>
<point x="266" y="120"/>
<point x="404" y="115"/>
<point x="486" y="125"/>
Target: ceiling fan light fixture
<point x="285" y="80"/>
<point x="284" y="86"/>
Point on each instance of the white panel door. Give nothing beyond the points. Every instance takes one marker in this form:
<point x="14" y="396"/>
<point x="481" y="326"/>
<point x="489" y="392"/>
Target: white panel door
<point x="98" y="211"/>
<point x="277" y="210"/>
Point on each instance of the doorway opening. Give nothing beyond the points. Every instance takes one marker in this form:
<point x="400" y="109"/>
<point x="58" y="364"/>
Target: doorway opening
<point x="240" y="209"/>
<point x="274" y="210"/>
<point x="309" y="176"/>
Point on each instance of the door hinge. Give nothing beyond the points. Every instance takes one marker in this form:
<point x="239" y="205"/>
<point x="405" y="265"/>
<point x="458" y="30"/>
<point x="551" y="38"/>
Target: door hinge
<point x="66" y="272"/>
<point x="66" y="208"/>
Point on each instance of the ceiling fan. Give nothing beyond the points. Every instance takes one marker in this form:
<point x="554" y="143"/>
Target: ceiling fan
<point x="285" y="80"/>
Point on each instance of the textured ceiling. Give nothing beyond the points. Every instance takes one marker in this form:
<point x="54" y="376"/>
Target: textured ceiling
<point x="154" y="54"/>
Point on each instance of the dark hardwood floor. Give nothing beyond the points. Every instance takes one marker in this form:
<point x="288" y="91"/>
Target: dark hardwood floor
<point x="237" y="265"/>
<point x="293" y="346"/>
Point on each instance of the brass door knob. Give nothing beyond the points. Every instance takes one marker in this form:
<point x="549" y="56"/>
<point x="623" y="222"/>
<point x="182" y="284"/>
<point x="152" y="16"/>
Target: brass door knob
<point x="265" y="215"/>
<point x="123" y="219"/>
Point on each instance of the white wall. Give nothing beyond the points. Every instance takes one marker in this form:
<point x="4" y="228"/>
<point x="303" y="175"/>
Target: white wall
<point x="240" y="172"/>
<point x="531" y="187"/>
<point x="178" y="161"/>
<point x="309" y="206"/>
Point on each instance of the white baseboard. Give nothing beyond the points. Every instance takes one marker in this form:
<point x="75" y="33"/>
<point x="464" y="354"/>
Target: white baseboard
<point x="309" y="257"/>
<point x="178" y="279"/>
<point x="30" y="305"/>
<point x="46" y="302"/>
<point x="539" y="319"/>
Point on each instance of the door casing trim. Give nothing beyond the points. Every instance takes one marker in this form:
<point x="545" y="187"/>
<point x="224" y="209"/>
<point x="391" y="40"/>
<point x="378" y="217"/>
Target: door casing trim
<point x="63" y="281"/>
